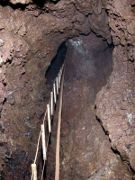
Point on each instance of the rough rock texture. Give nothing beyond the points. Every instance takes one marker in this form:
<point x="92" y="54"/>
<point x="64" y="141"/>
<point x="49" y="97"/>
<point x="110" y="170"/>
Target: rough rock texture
<point x="86" y="150"/>
<point x="29" y="39"/>
<point x="116" y="101"/>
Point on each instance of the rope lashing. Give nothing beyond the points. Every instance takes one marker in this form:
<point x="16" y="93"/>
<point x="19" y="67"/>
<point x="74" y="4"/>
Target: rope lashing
<point x="48" y="115"/>
<point x="37" y="147"/>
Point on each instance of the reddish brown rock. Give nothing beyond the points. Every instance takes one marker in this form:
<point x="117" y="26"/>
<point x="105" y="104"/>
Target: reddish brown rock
<point x="29" y="41"/>
<point x="30" y="37"/>
<point x="115" y="102"/>
<point x="86" y="150"/>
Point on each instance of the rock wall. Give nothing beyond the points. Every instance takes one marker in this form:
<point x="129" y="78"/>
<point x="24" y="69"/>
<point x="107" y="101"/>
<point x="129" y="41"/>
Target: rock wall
<point x="116" y="101"/>
<point x="29" y="38"/>
<point x="85" y="148"/>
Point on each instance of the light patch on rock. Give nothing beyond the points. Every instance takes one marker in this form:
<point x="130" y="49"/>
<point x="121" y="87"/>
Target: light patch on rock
<point x="78" y="44"/>
<point x="1" y="42"/>
<point x="83" y="128"/>
<point x="1" y="61"/>
<point x="130" y="117"/>
<point x="21" y="1"/>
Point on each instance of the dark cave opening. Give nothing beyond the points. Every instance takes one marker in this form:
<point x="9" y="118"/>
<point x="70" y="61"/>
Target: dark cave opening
<point x="56" y="64"/>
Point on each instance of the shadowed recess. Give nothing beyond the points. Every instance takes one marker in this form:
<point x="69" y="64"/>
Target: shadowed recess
<point x="56" y="64"/>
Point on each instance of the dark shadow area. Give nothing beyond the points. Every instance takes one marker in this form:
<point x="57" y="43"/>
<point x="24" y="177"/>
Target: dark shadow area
<point x="55" y="65"/>
<point x="39" y="3"/>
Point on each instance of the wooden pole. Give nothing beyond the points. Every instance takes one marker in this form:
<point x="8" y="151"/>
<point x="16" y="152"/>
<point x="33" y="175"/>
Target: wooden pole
<point x="49" y="118"/>
<point x="43" y="141"/>
<point x="52" y="104"/>
<point x="54" y="93"/>
<point x="57" y="166"/>
<point x="57" y="85"/>
<point x="34" y="171"/>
